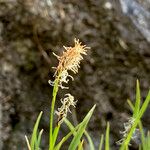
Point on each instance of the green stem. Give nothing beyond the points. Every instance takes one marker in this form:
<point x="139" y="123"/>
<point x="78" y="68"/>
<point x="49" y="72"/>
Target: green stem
<point x="55" y="90"/>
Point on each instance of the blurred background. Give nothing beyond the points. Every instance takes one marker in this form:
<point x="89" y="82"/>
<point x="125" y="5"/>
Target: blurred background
<point x="118" y="32"/>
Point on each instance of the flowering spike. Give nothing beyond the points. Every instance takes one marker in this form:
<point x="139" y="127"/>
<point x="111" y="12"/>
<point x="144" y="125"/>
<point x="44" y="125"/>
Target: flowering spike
<point x="69" y="61"/>
<point x="127" y="128"/>
<point x="65" y="108"/>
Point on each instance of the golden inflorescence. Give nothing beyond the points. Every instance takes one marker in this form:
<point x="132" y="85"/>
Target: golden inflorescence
<point x="69" y="61"/>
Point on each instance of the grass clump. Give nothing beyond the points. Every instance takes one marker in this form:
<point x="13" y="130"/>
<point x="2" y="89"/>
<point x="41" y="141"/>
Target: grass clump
<point x="70" y="61"/>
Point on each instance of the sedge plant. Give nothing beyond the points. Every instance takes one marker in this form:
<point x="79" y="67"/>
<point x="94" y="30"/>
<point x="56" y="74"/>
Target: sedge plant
<point x="70" y="61"/>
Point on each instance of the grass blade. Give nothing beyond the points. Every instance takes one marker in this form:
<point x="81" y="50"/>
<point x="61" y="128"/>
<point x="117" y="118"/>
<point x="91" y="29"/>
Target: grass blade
<point x="39" y="140"/>
<point x="101" y="142"/>
<point x="81" y="145"/>
<point x="58" y="146"/>
<point x="148" y="140"/>
<point x="130" y="104"/>
<point x="146" y="143"/>
<point x="137" y="119"/>
<point x="138" y="100"/>
<point x="142" y="135"/>
<point x="35" y="130"/>
<point x="55" y="134"/>
<point x="28" y="144"/>
<point x="89" y="140"/>
<point x="76" y="140"/>
<point x="107" y="137"/>
<point x="71" y="127"/>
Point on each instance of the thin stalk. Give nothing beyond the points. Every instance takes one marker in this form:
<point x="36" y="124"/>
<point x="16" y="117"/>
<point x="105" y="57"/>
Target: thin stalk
<point x="55" y="90"/>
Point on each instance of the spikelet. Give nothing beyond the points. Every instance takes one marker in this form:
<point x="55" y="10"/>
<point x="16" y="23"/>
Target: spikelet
<point x="65" y="108"/>
<point x="69" y="61"/>
<point x="127" y="127"/>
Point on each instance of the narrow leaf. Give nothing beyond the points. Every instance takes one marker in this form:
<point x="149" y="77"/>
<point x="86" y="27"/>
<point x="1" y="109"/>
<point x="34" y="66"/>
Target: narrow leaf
<point x="138" y="100"/>
<point x="89" y="140"/>
<point x="76" y="140"/>
<point x="71" y="127"/>
<point x="101" y="142"/>
<point x="142" y="135"/>
<point x="35" y="130"/>
<point x="39" y="140"/>
<point x="107" y="137"/>
<point x="55" y="134"/>
<point x="81" y="145"/>
<point x="130" y="104"/>
<point x="137" y="119"/>
<point x="58" y="146"/>
<point x="27" y="141"/>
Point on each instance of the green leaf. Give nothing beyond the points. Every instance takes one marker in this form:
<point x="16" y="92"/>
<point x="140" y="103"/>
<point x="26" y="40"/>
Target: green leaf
<point x="130" y="104"/>
<point x="101" y="142"/>
<point x="81" y="145"/>
<point x="140" y="127"/>
<point x="89" y="140"/>
<point x="142" y="135"/>
<point x="39" y="140"/>
<point x="76" y="140"/>
<point x="135" y="123"/>
<point x="138" y="100"/>
<point x="58" y="146"/>
<point x="71" y="127"/>
<point x="107" y="137"/>
<point x="127" y="147"/>
<point x="146" y="142"/>
<point x="144" y="106"/>
<point x="35" y="130"/>
<point x="55" y="134"/>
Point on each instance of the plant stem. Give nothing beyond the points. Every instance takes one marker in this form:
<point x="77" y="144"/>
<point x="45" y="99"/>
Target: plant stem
<point x="55" y="90"/>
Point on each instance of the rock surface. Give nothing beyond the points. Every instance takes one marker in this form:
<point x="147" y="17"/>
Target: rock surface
<point x="30" y="30"/>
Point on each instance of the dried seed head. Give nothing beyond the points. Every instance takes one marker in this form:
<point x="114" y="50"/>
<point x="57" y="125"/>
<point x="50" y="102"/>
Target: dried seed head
<point x="65" y="108"/>
<point x="127" y="128"/>
<point x="69" y="61"/>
